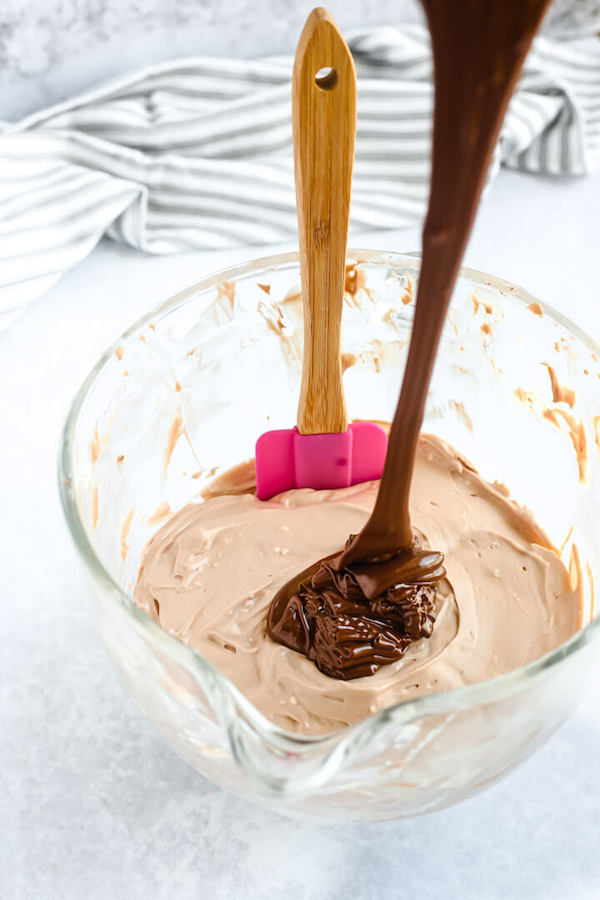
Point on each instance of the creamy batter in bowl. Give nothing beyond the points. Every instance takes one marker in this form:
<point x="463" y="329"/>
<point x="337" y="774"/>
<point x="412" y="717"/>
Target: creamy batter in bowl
<point x="181" y="398"/>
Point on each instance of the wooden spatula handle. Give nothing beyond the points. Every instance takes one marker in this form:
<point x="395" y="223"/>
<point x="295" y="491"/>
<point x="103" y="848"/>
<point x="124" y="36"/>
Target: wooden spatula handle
<point x="324" y="125"/>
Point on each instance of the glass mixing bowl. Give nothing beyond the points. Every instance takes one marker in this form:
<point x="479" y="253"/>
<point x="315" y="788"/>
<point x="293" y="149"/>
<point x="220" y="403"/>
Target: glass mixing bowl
<point x="183" y="395"/>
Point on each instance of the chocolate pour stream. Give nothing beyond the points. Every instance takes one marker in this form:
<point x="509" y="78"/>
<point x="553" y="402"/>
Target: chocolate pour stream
<point x="357" y="610"/>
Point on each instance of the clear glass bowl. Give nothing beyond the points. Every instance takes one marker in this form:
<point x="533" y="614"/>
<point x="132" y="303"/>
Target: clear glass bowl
<point x="183" y="395"/>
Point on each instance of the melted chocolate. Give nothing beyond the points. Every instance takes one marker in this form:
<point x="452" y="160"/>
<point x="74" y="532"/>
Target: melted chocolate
<point x="360" y="609"/>
<point x="352" y="621"/>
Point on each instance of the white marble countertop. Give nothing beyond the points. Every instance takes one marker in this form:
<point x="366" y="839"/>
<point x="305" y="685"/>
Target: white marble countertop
<point x="92" y="803"/>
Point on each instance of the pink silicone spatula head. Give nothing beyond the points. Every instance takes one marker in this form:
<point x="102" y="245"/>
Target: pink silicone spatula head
<point x="322" y="451"/>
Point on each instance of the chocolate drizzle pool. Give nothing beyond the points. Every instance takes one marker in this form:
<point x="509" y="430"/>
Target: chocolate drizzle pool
<point x="360" y="609"/>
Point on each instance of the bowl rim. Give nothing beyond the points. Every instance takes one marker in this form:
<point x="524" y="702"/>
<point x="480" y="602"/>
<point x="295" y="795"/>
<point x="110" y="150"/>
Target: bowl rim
<point x="456" y="699"/>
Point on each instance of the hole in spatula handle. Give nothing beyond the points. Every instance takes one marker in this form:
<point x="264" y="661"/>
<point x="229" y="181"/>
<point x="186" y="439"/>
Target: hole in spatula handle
<point x="326" y="78"/>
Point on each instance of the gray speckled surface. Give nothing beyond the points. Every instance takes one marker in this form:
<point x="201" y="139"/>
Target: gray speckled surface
<point x="50" y="49"/>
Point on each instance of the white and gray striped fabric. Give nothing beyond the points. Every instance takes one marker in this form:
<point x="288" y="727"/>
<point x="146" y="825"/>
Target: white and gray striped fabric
<point x="197" y="153"/>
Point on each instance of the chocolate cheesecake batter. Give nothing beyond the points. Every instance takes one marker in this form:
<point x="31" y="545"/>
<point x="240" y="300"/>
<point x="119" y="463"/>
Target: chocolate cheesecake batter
<point x="361" y="608"/>
<point x="210" y="572"/>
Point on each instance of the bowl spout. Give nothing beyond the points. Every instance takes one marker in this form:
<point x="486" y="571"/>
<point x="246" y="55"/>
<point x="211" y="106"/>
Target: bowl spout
<point x="288" y="767"/>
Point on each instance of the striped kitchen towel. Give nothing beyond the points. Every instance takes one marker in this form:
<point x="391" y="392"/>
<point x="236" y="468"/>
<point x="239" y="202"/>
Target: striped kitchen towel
<point x="197" y="153"/>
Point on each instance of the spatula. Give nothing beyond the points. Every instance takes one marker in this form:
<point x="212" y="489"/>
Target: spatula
<point x="323" y="451"/>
